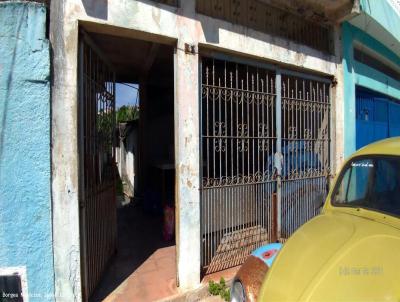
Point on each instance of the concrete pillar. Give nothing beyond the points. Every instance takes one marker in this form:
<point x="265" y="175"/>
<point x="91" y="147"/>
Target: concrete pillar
<point x="337" y="108"/>
<point x="349" y="91"/>
<point x="187" y="167"/>
<point x="65" y="159"/>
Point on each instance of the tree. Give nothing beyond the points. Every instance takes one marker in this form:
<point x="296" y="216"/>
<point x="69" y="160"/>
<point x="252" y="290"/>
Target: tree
<point x="127" y="113"/>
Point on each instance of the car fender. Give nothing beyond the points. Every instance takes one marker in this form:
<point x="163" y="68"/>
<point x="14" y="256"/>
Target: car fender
<point x="252" y="272"/>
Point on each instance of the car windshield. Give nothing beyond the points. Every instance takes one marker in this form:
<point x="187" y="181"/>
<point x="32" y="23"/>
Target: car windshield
<point x="371" y="183"/>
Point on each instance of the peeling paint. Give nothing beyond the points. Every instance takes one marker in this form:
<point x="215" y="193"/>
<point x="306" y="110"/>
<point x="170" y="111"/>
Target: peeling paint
<point x="183" y="26"/>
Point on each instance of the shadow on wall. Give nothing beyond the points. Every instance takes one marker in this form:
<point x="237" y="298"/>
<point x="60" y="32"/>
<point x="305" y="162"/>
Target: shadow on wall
<point x="96" y="8"/>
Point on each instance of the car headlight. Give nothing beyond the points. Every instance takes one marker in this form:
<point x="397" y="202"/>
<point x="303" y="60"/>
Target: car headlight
<point x="237" y="292"/>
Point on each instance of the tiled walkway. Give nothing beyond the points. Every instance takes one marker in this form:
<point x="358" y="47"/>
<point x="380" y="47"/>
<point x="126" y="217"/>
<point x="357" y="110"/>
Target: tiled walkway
<point x="144" y="268"/>
<point x="153" y="280"/>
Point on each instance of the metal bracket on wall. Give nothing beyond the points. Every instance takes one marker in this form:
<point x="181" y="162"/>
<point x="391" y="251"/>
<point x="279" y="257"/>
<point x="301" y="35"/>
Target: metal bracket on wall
<point x="334" y="82"/>
<point x="190" y="48"/>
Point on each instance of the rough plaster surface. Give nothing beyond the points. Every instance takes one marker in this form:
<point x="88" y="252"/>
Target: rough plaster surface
<point x="187" y="163"/>
<point x="337" y="109"/>
<point x="25" y="199"/>
<point x="67" y="265"/>
<point x="155" y="22"/>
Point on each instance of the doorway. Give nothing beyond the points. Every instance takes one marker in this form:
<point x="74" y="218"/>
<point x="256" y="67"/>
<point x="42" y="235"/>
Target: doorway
<point x="127" y="166"/>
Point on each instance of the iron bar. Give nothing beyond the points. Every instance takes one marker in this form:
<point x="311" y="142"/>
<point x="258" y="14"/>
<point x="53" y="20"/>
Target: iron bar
<point x="264" y="137"/>
<point x="97" y="164"/>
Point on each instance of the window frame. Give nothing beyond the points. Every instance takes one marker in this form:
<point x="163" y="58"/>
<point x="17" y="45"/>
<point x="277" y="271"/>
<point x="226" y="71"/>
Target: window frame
<point x="342" y="173"/>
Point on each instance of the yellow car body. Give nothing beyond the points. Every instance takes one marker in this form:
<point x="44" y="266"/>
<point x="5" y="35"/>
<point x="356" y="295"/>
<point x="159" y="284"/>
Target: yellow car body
<point x="343" y="254"/>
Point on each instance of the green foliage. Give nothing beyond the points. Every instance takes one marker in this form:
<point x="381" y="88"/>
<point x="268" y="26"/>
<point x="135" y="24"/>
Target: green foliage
<point x="127" y="113"/>
<point x="105" y="126"/>
<point x="219" y="289"/>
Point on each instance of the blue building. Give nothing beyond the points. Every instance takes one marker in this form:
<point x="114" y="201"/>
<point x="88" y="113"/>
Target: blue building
<point x="26" y="245"/>
<point x="371" y="64"/>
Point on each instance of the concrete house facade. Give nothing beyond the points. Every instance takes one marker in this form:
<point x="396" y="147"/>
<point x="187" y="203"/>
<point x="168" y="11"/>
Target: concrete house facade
<point x="251" y="105"/>
<point x="224" y="38"/>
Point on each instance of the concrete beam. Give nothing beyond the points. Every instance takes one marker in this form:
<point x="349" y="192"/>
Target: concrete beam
<point x="321" y="11"/>
<point x="161" y="23"/>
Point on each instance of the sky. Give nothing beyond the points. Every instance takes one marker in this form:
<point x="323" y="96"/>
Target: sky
<point x="126" y="95"/>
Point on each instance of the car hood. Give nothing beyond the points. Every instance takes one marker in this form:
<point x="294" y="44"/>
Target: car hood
<point x="337" y="257"/>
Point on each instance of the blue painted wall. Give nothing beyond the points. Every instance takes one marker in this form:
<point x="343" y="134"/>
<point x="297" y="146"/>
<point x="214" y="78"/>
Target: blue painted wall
<point x="383" y="13"/>
<point x="356" y="73"/>
<point x="25" y="171"/>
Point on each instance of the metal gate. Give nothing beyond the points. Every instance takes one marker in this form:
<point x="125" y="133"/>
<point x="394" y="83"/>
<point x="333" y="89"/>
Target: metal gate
<point x="265" y="157"/>
<point x="377" y="117"/>
<point x="305" y="148"/>
<point x="97" y="164"/>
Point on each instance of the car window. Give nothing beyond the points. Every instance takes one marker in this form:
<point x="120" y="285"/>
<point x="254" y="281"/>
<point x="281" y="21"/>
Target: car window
<point x="386" y="176"/>
<point x="354" y="185"/>
<point x="370" y="183"/>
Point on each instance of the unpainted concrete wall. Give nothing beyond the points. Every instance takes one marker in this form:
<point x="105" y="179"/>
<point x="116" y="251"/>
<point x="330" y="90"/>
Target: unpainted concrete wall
<point x="144" y="19"/>
<point x="25" y="196"/>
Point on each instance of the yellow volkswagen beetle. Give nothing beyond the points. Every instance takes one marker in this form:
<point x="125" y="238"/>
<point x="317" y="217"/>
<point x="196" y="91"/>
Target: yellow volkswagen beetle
<point x="351" y="251"/>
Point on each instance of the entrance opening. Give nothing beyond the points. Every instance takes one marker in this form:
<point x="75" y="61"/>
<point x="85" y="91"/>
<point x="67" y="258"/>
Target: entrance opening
<point x="140" y="117"/>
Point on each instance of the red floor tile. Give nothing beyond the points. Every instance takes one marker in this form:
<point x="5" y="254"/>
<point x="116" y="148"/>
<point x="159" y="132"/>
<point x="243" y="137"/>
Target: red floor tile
<point x="153" y="280"/>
